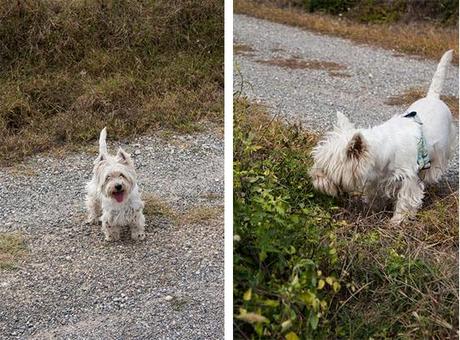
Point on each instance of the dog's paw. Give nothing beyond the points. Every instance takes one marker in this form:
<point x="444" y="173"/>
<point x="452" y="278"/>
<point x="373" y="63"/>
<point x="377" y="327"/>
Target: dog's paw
<point x="91" y="220"/>
<point x="138" y="236"/>
<point x="397" y="219"/>
<point x="112" y="238"/>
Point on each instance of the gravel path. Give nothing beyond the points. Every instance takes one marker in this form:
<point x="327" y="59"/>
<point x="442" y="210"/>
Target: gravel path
<point x="312" y="97"/>
<point x="73" y="285"/>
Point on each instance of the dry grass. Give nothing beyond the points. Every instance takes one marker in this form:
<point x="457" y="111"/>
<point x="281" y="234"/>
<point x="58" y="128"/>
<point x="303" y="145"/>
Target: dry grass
<point x="12" y="249"/>
<point x="155" y="206"/>
<point x="296" y="63"/>
<point x="69" y="69"/>
<point x="413" y="94"/>
<point x="419" y="39"/>
<point x="201" y="214"/>
<point x="414" y="267"/>
<point x="243" y="49"/>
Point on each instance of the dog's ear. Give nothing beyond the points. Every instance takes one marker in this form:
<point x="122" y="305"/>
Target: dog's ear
<point x="343" y="123"/>
<point x="123" y="157"/>
<point x="357" y="146"/>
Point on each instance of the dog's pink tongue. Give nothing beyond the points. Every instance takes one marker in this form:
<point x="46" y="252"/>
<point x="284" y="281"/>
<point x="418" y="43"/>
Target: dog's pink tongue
<point x="118" y="196"/>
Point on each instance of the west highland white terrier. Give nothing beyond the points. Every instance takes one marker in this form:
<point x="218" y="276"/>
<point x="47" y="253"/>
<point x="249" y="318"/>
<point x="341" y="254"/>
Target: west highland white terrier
<point x="394" y="159"/>
<point x="113" y="195"/>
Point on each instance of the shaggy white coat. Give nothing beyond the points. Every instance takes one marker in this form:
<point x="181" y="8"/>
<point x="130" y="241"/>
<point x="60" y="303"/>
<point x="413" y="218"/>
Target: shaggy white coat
<point x="382" y="160"/>
<point x="113" y="195"/>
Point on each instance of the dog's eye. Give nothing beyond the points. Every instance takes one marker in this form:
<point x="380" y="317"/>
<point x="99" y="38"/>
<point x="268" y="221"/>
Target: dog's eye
<point x="121" y="175"/>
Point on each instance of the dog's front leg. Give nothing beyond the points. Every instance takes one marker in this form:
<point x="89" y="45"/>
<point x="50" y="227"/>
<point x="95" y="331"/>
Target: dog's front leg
<point x="111" y="233"/>
<point x="93" y="206"/>
<point x="138" y="226"/>
<point x="409" y="199"/>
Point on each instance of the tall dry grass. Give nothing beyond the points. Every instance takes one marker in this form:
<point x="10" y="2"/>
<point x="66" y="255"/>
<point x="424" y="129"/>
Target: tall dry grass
<point x="422" y="39"/>
<point x="67" y="69"/>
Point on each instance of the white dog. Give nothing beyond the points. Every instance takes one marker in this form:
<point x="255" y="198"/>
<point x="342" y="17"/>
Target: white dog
<point x="113" y="195"/>
<point x="395" y="158"/>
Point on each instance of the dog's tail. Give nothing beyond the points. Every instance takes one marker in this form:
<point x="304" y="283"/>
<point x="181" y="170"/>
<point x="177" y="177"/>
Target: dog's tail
<point x="439" y="75"/>
<point x="102" y="142"/>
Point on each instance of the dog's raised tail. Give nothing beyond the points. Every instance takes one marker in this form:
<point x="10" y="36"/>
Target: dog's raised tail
<point x="439" y="76"/>
<point x="102" y="142"/>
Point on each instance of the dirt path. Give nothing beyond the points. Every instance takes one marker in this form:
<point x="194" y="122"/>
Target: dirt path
<point x="73" y="285"/>
<point x="306" y="77"/>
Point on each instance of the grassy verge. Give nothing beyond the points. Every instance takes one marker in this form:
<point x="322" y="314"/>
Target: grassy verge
<point x="69" y="69"/>
<point x="12" y="249"/>
<point x="413" y="94"/>
<point x="309" y="266"/>
<point x="421" y="39"/>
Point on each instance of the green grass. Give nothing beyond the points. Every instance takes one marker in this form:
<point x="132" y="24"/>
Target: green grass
<point x="12" y="249"/>
<point x="310" y="266"/>
<point x="67" y="70"/>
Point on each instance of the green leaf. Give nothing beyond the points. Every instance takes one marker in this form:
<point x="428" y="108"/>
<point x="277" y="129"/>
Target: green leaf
<point x="321" y="284"/>
<point x="314" y="319"/>
<point x="247" y="295"/>
<point x="292" y="336"/>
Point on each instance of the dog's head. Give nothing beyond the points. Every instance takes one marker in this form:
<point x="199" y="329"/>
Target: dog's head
<point x="342" y="160"/>
<point x="115" y="176"/>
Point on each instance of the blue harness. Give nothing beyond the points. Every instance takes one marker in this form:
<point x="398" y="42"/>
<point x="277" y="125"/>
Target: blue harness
<point x="423" y="159"/>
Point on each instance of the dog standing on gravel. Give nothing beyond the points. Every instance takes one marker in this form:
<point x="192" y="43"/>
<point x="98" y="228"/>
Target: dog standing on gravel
<point x="113" y="195"/>
<point x="394" y="159"/>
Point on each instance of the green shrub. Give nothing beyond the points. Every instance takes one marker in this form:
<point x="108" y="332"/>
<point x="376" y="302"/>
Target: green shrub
<point x="307" y="266"/>
<point x="284" y="253"/>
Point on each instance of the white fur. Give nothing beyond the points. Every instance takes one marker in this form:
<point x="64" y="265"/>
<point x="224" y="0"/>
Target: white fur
<point x="382" y="160"/>
<point x="115" y="177"/>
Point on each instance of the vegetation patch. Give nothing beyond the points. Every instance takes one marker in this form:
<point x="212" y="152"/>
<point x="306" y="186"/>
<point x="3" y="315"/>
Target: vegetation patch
<point x="201" y="214"/>
<point x="12" y="249"/>
<point x="67" y="69"/>
<point x="418" y="38"/>
<point x="243" y="49"/>
<point x="309" y="266"/>
<point x="378" y="11"/>
<point x="155" y="206"/>
<point x="411" y="95"/>
<point x="296" y="63"/>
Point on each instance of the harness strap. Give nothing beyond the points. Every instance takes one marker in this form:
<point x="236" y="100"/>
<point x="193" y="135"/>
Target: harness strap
<point x="423" y="159"/>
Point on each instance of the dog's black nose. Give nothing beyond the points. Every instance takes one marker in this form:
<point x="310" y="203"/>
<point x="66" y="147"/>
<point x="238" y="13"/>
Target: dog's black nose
<point x="118" y="187"/>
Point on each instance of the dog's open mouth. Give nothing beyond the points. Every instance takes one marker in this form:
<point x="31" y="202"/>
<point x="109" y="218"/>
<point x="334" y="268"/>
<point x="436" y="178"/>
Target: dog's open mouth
<point x="119" y="195"/>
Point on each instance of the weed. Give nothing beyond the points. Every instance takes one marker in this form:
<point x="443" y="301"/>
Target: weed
<point x="12" y="248"/>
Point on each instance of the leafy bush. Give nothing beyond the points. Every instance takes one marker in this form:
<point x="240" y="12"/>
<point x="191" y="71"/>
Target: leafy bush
<point x="307" y="266"/>
<point x="284" y="255"/>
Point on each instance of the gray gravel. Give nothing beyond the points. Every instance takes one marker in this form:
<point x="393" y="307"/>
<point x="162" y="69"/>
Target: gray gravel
<point x="73" y="285"/>
<point x="312" y="97"/>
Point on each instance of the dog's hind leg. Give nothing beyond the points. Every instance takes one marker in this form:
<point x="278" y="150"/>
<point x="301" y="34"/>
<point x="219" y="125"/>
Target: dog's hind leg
<point x="409" y="200"/>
